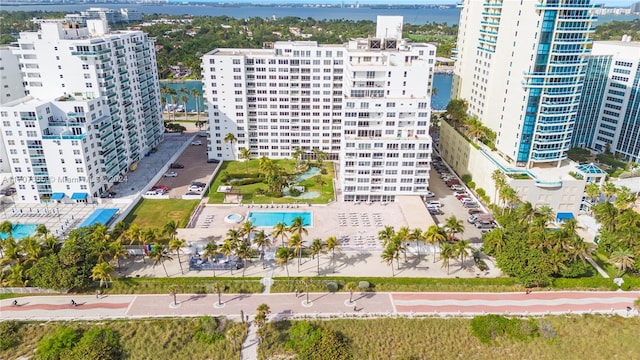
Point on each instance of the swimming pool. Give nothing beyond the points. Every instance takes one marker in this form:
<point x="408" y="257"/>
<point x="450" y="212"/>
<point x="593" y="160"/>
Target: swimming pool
<point x="261" y="218"/>
<point x="20" y="231"/>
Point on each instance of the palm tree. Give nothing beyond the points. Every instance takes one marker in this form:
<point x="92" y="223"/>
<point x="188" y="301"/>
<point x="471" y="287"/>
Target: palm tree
<point x="184" y="98"/>
<point x="461" y="248"/>
<point x="234" y="334"/>
<point x="119" y="229"/>
<point x="159" y="255"/>
<point x="389" y="254"/>
<point x="6" y="227"/>
<point x="219" y="287"/>
<point x="494" y="241"/>
<point x="499" y="181"/>
<point x="243" y="251"/>
<point x="608" y="189"/>
<point x="434" y="235"/>
<point x="525" y="210"/>
<point x="306" y="281"/>
<point x="102" y="271"/>
<point x="416" y="234"/>
<point x="261" y="240"/>
<point x="117" y="251"/>
<point x="283" y="256"/>
<point x="593" y="191"/>
<point x="211" y="252"/>
<point x="545" y="213"/>
<point x="196" y="97"/>
<point x="623" y="259"/>
<point x="317" y="248"/>
<point x="30" y="249"/>
<point x="177" y="245"/>
<point x="606" y="214"/>
<point x="385" y="235"/>
<point x="133" y="233"/>
<point x="295" y="242"/>
<point x="351" y="286"/>
<point x="447" y="252"/>
<point x="296" y="154"/>
<point x="624" y="198"/>
<point x="173" y="292"/>
<point x="149" y="236"/>
<point x="245" y="154"/>
<point x="453" y="225"/>
<point x="280" y="229"/>
<point x="261" y="315"/>
<point x="320" y="156"/>
<point x="231" y="138"/>
<point x="174" y="100"/>
<point x="234" y="236"/>
<point x="246" y="229"/>
<point x="475" y="129"/>
<point x="170" y="228"/>
<point x="319" y="181"/>
<point x="332" y="246"/>
<point x="297" y="226"/>
<point x="41" y="231"/>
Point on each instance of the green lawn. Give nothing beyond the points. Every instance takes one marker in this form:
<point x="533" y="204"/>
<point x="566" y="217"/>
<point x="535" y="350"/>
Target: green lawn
<point x="249" y="192"/>
<point x="555" y="337"/>
<point x="184" y="285"/>
<point x="156" y="213"/>
<point x="141" y="339"/>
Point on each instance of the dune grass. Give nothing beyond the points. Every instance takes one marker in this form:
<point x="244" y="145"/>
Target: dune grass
<point x="150" y="214"/>
<point x="141" y="339"/>
<point x="560" y="337"/>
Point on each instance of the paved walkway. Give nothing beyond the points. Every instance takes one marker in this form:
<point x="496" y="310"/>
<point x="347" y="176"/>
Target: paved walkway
<point x="321" y="305"/>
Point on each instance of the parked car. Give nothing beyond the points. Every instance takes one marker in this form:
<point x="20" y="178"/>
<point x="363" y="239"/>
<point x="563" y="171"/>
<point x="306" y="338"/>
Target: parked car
<point x="160" y="187"/>
<point x="434" y="211"/>
<point x="474" y="211"/>
<point x="198" y="184"/>
<point x="452" y="182"/>
<point x="485" y="224"/>
<point x="176" y="166"/>
<point x="197" y="142"/>
<point x="467" y="200"/>
<point x="171" y="174"/>
<point x="429" y="194"/>
<point x="213" y="161"/>
<point x="480" y="217"/>
<point x="433" y="203"/>
<point x="458" y="193"/>
<point x="195" y="188"/>
<point x="471" y="205"/>
<point x="152" y="193"/>
<point x="457" y="187"/>
<point x="8" y="191"/>
<point x="193" y="193"/>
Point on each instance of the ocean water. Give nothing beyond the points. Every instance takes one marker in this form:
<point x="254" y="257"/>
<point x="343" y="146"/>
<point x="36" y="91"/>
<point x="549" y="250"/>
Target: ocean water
<point x="188" y="85"/>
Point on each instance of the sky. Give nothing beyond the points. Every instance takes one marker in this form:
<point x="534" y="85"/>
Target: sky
<point x="608" y="3"/>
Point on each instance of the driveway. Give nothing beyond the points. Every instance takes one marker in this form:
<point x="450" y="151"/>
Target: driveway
<point x="196" y="168"/>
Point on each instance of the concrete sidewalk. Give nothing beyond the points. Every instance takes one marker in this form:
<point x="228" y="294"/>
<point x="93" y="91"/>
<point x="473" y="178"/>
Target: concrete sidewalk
<point x="321" y="305"/>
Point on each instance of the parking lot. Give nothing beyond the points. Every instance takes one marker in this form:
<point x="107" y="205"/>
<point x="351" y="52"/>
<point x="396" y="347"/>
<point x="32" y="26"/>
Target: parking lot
<point x="451" y="205"/>
<point x="196" y="168"/>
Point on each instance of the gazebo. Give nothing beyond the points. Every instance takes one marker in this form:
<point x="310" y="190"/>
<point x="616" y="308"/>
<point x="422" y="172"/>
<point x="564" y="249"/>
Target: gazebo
<point x="591" y="173"/>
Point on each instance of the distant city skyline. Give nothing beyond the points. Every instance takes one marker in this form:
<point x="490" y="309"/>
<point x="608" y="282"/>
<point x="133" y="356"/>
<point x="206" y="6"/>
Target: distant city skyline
<point x="608" y="3"/>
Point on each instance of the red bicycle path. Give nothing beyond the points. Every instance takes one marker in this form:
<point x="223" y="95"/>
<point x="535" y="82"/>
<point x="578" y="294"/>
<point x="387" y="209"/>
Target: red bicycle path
<point x="320" y="305"/>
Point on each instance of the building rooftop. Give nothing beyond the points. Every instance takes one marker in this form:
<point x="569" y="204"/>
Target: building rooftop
<point x="591" y="169"/>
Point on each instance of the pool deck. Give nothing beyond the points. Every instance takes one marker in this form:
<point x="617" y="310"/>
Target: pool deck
<point x="356" y="225"/>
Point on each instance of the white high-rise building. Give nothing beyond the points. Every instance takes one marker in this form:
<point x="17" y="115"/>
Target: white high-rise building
<point x="609" y="113"/>
<point x="11" y="88"/>
<point x="366" y="102"/>
<point x="92" y="110"/>
<point x="521" y="67"/>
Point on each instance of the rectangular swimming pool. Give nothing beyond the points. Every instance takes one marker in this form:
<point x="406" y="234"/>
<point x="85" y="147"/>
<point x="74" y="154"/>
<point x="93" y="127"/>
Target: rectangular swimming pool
<point x="20" y="231"/>
<point x="263" y="218"/>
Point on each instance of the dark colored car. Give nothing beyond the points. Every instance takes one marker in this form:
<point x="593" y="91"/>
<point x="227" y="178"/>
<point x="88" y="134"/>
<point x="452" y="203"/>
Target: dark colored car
<point x="213" y="161"/>
<point x="197" y="183"/>
<point x="474" y="211"/>
<point x="176" y="166"/>
<point x="453" y="182"/>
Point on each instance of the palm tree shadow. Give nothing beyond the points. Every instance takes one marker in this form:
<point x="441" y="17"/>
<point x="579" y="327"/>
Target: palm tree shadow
<point x="195" y="297"/>
<point x="238" y="297"/>
<point x="320" y="297"/>
<point x="352" y="260"/>
<point x="366" y="295"/>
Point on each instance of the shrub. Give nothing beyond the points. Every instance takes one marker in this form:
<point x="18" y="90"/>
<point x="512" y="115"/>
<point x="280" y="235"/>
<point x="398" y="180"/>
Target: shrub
<point x="98" y="343"/>
<point x="332" y="286"/>
<point x="57" y="345"/>
<point x="208" y="330"/>
<point x="294" y="192"/>
<point x="466" y="178"/>
<point x="323" y="171"/>
<point x="240" y="182"/>
<point x="488" y="327"/>
<point x="471" y="185"/>
<point x="364" y="285"/>
<point x="481" y="192"/>
<point x="9" y="336"/>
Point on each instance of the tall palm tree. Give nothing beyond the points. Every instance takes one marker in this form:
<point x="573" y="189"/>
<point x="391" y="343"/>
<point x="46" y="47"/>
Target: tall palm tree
<point x="332" y="246"/>
<point x="234" y="236"/>
<point x="624" y="198"/>
<point x="447" y="252"/>
<point x="211" y="252"/>
<point x="295" y="242"/>
<point x="117" y="251"/>
<point x="283" y="256"/>
<point x="170" y="229"/>
<point x="102" y="271"/>
<point x="454" y="226"/>
<point x="296" y="154"/>
<point x="133" y="233"/>
<point x="499" y="181"/>
<point x="545" y="213"/>
<point x="243" y="251"/>
<point x="351" y="286"/>
<point x="389" y="254"/>
<point x="235" y="334"/>
<point x="149" y="236"/>
<point x="416" y="234"/>
<point x="196" y="97"/>
<point x="435" y="235"/>
<point x="494" y="241"/>
<point x="385" y="235"/>
<point x="247" y="229"/>
<point x="174" y="101"/>
<point x="623" y="259"/>
<point x="606" y="214"/>
<point x="608" y="190"/>
<point x="119" y="229"/>
<point x="280" y="230"/>
<point x="525" y="210"/>
<point x="245" y="154"/>
<point x="219" y="287"/>
<point x="261" y="241"/>
<point x="6" y="227"/>
<point x="41" y="231"/>
<point x="177" y="245"/>
<point x="462" y="249"/>
<point x="184" y="98"/>
<point x="231" y="139"/>
<point x="317" y="248"/>
<point x="297" y="226"/>
<point x="159" y="255"/>
<point x="593" y="191"/>
<point x="30" y="249"/>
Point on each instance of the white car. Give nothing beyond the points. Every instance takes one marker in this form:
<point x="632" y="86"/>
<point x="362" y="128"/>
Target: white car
<point x="458" y="193"/>
<point x="195" y="188"/>
<point x="433" y="203"/>
<point x="429" y="194"/>
<point x="456" y="187"/>
<point x="197" y="142"/>
<point x="171" y="174"/>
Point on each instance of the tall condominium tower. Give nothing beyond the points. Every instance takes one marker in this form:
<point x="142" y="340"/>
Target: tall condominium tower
<point x="366" y="103"/>
<point x="521" y="67"/>
<point x="92" y="110"/>
<point x="609" y="113"/>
